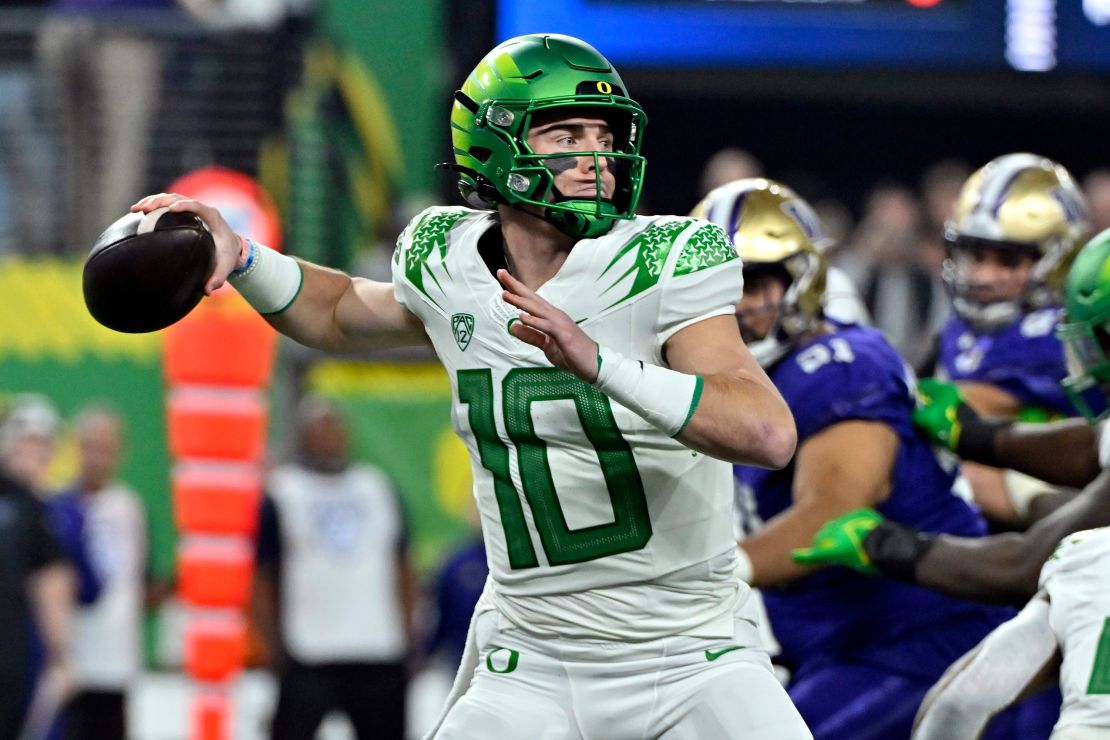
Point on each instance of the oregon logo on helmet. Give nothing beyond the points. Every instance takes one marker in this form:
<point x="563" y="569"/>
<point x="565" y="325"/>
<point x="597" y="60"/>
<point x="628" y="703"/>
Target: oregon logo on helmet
<point x="496" y="106"/>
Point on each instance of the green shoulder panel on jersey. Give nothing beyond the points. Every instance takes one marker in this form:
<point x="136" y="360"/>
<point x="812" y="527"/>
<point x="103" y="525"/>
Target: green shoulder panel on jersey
<point x="428" y="236"/>
<point x="651" y="248"/>
<point x="707" y="247"/>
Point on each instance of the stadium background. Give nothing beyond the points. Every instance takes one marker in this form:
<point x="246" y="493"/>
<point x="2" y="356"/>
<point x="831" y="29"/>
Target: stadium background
<point x="340" y="110"/>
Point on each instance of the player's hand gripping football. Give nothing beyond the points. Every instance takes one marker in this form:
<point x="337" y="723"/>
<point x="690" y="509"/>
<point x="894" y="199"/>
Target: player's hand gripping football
<point x="228" y="244"/>
<point x="840" y="541"/>
<point x="941" y="411"/>
<point x="542" y="325"/>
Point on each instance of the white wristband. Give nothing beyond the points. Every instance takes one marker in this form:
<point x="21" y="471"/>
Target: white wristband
<point x="1021" y="489"/>
<point x="269" y="280"/>
<point x="666" y="399"/>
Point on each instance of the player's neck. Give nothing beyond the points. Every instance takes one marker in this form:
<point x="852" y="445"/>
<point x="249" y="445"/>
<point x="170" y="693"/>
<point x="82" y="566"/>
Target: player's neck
<point x="534" y="249"/>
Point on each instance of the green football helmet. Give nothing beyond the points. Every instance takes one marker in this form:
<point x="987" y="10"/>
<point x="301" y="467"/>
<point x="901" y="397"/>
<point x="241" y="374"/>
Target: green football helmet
<point x="495" y="108"/>
<point x="1085" y="330"/>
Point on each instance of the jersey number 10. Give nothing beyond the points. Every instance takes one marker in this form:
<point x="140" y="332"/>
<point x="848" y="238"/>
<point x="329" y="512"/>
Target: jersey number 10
<point x="630" y="529"/>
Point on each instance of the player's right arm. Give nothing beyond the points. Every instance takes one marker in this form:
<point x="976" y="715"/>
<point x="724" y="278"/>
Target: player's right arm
<point x="339" y="313"/>
<point x="999" y="568"/>
<point x="1016" y="658"/>
<point x="1063" y="452"/>
<point x="327" y="308"/>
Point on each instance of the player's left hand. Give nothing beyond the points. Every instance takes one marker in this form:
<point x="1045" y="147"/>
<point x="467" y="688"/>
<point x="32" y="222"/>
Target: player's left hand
<point x="542" y="325"/>
<point x="840" y="542"/>
<point x="940" y="411"/>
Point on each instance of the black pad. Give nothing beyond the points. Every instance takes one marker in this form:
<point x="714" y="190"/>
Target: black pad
<point x="138" y="283"/>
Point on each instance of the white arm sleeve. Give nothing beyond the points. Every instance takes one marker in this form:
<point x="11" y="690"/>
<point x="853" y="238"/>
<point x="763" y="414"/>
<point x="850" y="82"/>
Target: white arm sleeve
<point x="971" y="692"/>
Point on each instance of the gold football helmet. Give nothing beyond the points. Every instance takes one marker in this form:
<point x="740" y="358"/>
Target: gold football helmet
<point x="1016" y="204"/>
<point x="771" y="226"/>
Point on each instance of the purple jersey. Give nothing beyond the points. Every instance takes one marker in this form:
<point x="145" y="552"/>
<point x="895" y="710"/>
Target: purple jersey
<point x="1024" y="358"/>
<point x="854" y="374"/>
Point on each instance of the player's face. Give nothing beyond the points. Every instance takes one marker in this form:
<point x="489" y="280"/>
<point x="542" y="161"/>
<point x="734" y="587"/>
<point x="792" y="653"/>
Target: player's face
<point x="325" y="438"/>
<point x="100" y="451"/>
<point x="759" y="307"/>
<point x="993" y="274"/>
<point x="575" y="177"/>
<point x="30" y="458"/>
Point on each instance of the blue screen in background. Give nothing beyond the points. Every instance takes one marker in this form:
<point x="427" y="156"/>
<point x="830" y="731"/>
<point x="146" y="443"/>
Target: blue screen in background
<point x="1029" y="35"/>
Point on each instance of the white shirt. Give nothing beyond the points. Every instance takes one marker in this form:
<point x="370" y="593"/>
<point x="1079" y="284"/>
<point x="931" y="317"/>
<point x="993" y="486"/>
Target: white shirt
<point x="107" y="634"/>
<point x="340" y="542"/>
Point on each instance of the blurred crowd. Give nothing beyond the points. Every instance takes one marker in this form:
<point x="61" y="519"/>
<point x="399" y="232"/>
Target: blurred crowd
<point x="335" y="596"/>
<point x="893" y="249"/>
<point x="75" y="580"/>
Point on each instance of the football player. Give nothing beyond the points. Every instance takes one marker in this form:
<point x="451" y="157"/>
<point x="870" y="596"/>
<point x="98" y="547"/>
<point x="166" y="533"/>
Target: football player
<point x="1018" y="222"/>
<point x="602" y="389"/>
<point x="1069" y="452"/>
<point x="1064" y="627"/>
<point x="862" y="652"/>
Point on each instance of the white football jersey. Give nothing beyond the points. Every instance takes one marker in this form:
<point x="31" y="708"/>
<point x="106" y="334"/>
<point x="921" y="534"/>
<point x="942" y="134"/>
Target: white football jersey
<point x="1077" y="578"/>
<point x="1103" y="445"/>
<point x="595" y="523"/>
<point x="107" y="634"/>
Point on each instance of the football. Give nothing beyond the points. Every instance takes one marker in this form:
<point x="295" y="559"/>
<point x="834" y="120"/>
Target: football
<point x="146" y="271"/>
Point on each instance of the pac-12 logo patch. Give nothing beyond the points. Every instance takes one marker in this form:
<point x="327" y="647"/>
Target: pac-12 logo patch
<point x="462" y="324"/>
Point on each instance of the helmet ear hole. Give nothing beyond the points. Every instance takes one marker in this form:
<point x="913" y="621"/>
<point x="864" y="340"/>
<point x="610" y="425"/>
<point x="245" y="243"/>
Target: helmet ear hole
<point x="481" y="153"/>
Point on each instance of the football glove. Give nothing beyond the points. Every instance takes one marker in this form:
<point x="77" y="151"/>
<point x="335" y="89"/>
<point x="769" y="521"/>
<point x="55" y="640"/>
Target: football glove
<point x="840" y="542"/>
<point x="941" y="411"/>
<point x="862" y="539"/>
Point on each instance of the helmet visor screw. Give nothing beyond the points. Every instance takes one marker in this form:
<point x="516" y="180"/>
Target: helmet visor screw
<point x="519" y="182"/>
<point x="500" y="116"/>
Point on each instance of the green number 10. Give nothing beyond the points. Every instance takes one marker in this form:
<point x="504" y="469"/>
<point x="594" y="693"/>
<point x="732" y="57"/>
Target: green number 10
<point x="1100" y="671"/>
<point x="630" y="529"/>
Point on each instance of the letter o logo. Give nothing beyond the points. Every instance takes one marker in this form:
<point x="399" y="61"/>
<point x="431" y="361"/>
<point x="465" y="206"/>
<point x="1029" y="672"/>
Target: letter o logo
<point x="604" y="87"/>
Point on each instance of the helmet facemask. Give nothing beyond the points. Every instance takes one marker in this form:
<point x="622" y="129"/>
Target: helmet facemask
<point x="532" y="176"/>
<point x="1086" y="349"/>
<point x="994" y="311"/>
<point x="1085" y="332"/>
<point x="800" y="274"/>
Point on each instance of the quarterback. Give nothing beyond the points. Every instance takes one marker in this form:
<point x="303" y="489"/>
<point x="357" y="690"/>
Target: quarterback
<point x="602" y="389"/>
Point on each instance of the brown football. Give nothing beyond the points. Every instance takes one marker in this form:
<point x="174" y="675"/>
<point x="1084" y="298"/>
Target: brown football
<point x="147" y="271"/>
